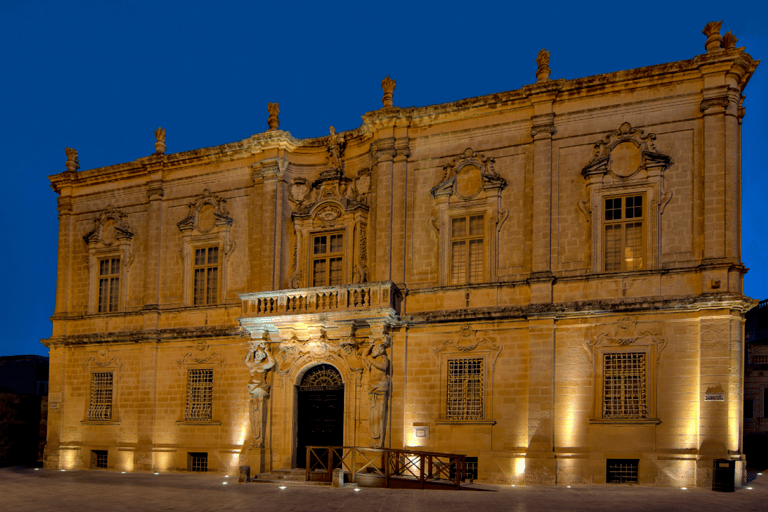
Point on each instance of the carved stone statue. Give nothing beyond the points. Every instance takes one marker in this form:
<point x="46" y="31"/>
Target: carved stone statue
<point x="542" y="60"/>
<point x="388" y="86"/>
<point x="73" y="164"/>
<point x="379" y="383"/>
<point x="273" y="121"/>
<point x="714" y="39"/>
<point x="160" y="144"/>
<point x="335" y="148"/>
<point x="259" y="362"/>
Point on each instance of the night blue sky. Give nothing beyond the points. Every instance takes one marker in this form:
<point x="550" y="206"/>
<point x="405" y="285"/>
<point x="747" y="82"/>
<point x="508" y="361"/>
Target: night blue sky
<point x="101" y="76"/>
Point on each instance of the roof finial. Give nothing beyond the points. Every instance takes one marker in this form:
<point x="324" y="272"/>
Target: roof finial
<point x="714" y="39"/>
<point x="160" y="144"/>
<point x="542" y="74"/>
<point x="388" y="85"/>
<point x="73" y="164"/>
<point x="273" y="121"/>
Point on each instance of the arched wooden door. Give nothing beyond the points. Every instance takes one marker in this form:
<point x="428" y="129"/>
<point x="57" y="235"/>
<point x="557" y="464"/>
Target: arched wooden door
<point x="320" y="421"/>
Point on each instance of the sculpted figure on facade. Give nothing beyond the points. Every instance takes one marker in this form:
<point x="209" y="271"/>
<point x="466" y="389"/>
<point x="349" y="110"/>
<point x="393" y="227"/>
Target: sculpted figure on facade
<point x="379" y="379"/>
<point x="335" y="148"/>
<point x="259" y="362"/>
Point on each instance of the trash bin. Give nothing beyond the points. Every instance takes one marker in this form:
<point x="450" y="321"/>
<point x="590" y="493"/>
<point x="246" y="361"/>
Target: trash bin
<point x="723" y="475"/>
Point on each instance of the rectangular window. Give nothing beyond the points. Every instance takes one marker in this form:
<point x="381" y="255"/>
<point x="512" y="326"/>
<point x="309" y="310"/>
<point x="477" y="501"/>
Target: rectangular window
<point x="470" y="470"/>
<point x="327" y="259"/>
<point x="109" y="285"/>
<point x="466" y="382"/>
<point x="748" y="409"/>
<point x="99" y="459"/>
<point x="197" y="461"/>
<point x="467" y="249"/>
<point x="621" y="471"/>
<point x="624" y="245"/>
<point x="624" y="386"/>
<point x="199" y="395"/>
<point x="100" y="408"/>
<point x="206" y="276"/>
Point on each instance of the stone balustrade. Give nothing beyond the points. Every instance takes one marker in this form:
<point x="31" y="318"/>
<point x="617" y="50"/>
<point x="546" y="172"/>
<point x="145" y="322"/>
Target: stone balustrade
<point x="321" y="299"/>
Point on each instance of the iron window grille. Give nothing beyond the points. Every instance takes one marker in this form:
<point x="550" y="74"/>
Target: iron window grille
<point x="99" y="459"/>
<point x="466" y="380"/>
<point x="199" y="395"/>
<point x="624" y="386"/>
<point x="197" y="461"/>
<point x="100" y="407"/>
<point x="621" y="471"/>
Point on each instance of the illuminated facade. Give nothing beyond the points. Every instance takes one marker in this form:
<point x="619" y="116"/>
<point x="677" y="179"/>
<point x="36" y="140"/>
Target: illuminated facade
<point x="548" y="279"/>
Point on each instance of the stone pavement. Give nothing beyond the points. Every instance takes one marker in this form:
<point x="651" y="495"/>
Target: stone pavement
<point x="25" y="489"/>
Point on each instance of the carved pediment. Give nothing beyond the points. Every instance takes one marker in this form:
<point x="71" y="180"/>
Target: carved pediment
<point x="110" y="226"/>
<point x="332" y="185"/>
<point x="624" y="153"/>
<point x="207" y="213"/>
<point x="467" y="341"/>
<point x="104" y="359"/>
<point x="467" y="175"/>
<point x="625" y="334"/>
<point x="202" y="355"/>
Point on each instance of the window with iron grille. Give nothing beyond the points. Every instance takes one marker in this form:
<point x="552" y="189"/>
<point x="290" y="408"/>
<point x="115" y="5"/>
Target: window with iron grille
<point x="327" y="259"/>
<point x="621" y="471"/>
<point x="109" y="285"/>
<point x="467" y="253"/>
<point x="624" y="385"/>
<point x="99" y="459"/>
<point x="466" y="381"/>
<point x="624" y="245"/>
<point x="197" y="461"/>
<point x="100" y="407"/>
<point x="199" y="395"/>
<point x="206" y="276"/>
<point x="470" y="470"/>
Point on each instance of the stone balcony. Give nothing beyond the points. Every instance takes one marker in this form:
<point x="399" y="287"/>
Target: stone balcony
<point x="352" y="298"/>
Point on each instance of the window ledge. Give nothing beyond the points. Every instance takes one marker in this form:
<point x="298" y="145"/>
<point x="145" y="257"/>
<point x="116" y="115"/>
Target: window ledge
<point x="198" y="423"/>
<point x="465" y="422"/>
<point x="95" y="422"/>
<point x="626" y="421"/>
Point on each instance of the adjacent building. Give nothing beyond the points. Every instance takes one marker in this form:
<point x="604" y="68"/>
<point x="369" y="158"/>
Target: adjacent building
<point x="547" y="279"/>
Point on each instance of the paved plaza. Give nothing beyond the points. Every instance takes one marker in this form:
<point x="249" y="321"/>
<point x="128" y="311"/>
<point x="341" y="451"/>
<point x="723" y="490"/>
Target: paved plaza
<point x="26" y="489"/>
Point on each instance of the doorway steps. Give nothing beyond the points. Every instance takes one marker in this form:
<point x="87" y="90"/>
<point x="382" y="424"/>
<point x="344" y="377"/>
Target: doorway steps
<point x="285" y="477"/>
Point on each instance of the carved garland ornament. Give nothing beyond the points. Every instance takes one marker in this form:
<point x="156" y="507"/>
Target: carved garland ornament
<point x="625" y="335"/>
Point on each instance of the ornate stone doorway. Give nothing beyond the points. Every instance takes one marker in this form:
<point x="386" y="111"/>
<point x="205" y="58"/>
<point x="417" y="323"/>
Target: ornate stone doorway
<point x="320" y="411"/>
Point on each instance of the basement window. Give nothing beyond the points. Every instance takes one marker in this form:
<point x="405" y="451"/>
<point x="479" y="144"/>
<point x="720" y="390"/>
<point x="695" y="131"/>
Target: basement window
<point x="99" y="459"/>
<point x="621" y="471"/>
<point x="197" y="462"/>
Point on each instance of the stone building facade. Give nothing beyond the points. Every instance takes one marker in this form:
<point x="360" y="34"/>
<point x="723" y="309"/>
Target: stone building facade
<point x="548" y="279"/>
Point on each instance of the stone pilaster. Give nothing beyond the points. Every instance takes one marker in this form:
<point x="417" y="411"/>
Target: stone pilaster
<point x="540" y="458"/>
<point x="268" y="172"/>
<point x="400" y="179"/>
<point x="64" y="255"/>
<point x="154" y="239"/>
<point x="384" y="153"/>
<point x="542" y="97"/>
